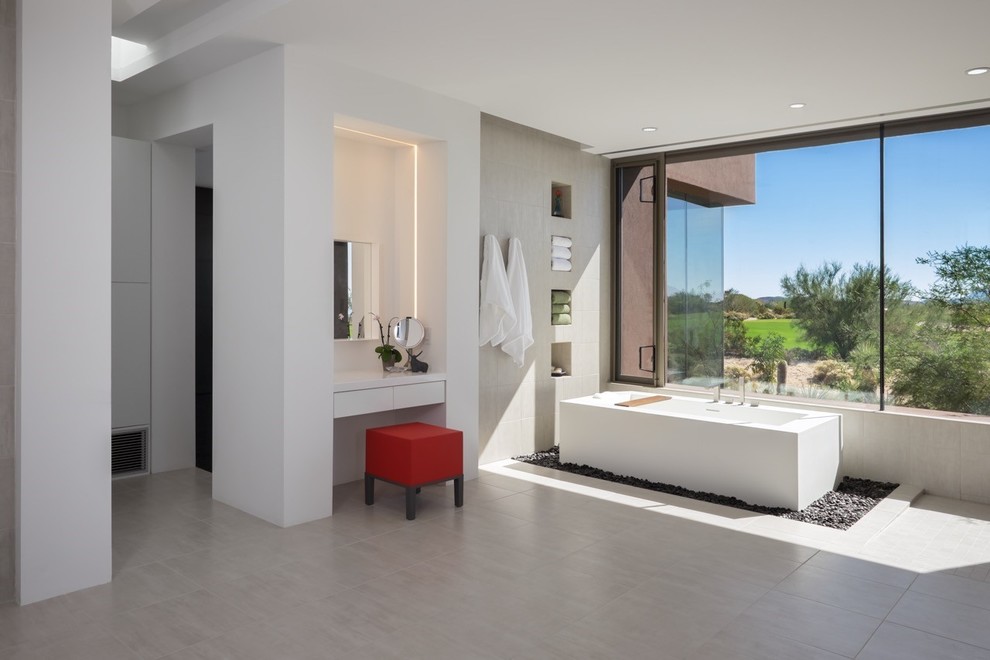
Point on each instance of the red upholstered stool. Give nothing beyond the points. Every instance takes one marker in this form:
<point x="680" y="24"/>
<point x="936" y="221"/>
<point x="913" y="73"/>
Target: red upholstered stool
<point x="413" y="455"/>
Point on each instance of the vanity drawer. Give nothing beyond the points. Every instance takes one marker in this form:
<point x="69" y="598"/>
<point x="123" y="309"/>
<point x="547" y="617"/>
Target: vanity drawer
<point x="360" y="402"/>
<point x="420" y="394"/>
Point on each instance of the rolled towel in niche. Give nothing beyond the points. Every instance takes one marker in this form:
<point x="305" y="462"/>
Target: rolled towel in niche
<point x="560" y="319"/>
<point x="560" y="264"/>
<point x="560" y="241"/>
<point x="558" y="252"/>
<point x="560" y="308"/>
<point x="560" y="297"/>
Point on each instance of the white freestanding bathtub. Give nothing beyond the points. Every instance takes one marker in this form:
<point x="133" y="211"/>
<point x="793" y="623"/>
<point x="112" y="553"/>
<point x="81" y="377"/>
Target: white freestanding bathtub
<point x="763" y="455"/>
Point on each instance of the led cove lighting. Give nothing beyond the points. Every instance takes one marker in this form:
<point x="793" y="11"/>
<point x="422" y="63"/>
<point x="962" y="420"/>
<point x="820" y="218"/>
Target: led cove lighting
<point x="978" y="71"/>
<point x="649" y="129"/>
<point x="796" y="106"/>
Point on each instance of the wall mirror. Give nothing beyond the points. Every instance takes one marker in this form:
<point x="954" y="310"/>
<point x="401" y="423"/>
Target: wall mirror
<point x="354" y="293"/>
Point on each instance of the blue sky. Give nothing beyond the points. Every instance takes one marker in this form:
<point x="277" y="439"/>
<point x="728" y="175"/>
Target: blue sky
<point x="822" y="204"/>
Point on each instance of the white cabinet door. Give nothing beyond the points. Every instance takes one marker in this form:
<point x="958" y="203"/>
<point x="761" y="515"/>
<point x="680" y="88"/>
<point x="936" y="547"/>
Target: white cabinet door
<point x="130" y="328"/>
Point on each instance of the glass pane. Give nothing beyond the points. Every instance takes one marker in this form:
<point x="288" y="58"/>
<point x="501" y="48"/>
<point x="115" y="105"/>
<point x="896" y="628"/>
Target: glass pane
<point x="635" y="350"/>
<point x="694" y="292"/>
<point x="937" y="220"/>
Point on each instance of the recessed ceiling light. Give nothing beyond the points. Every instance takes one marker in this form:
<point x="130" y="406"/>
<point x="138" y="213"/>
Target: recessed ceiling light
<point x="796" y="106"/>
<point x="978" y="71"/>
<point x="649" y="129"/>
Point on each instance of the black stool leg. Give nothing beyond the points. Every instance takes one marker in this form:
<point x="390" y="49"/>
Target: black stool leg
<point x="369" y="489"/>
<point x="459" y="491"/>
<point x="410" y="503"/>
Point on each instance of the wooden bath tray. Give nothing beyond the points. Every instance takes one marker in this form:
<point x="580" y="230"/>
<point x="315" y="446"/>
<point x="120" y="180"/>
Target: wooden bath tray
<point x="632" y="403"/>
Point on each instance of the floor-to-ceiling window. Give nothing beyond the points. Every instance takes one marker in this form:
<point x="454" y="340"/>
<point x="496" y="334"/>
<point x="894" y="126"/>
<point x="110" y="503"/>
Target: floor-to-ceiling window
<point x="849" y="266"/>
<point x="937" y="237"/>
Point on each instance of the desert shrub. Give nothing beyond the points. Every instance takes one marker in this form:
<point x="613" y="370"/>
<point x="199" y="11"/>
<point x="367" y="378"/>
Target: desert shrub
<point x="833" y="373"/>
<point x="766" y="353"/>
<point x="865" y="364"/>
<point x="733" y="372"/>
<point x="782" y="311"/>
<point x="798" y="354"/>
<point x="735" y="333"/>
<point x="951" y="373"/>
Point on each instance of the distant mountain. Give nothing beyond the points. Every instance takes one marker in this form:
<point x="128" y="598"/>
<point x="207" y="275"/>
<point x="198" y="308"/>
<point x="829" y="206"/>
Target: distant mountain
<point x="770" y="301"/>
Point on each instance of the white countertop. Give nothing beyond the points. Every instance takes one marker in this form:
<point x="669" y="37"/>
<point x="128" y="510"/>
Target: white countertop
<point x="348" y="381"/>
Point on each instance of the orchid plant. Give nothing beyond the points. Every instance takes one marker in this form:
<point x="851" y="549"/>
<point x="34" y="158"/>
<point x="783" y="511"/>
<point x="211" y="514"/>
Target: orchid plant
<point x="386" y="352"/>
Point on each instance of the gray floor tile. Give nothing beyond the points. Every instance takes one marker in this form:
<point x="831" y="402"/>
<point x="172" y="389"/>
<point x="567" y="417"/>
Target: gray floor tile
<point x="815" y="624"/>
<point x="894" y="642"/>
<point x="846" y="591"/>
<point x="172" y="625"/>
<point x="955" y="588"/>
<point x="963" y="623"/>
<point x="861" y="568"/>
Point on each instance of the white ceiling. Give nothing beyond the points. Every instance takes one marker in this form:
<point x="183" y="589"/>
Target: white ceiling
<point x="701" y="71"/>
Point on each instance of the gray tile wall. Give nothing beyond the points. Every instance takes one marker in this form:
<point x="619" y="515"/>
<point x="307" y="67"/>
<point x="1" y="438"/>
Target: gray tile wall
<point x="518" y="167"/>
<point x="8" y="253"/>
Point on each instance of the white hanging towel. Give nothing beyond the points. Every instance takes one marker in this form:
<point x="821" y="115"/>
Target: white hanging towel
<point x="520" y="336"/>
<point x="560" y="241"/>
<point x="560" y="264"/>
<point x="497" y="314"/>
<point x="560" y="252"/>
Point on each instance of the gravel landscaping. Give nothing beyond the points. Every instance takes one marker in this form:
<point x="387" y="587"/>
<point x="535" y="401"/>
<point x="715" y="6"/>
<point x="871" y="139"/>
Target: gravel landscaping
<point x="839" y="509"/>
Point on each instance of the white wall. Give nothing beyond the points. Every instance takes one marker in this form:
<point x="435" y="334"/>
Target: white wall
<point x="173" y="307"/>
<point x="307" y="316"/>
<point x="272" y="120"/>
<point x="245" y="105"/>
<point x="452" y="274"/>
<point x="8" y="264"/>
<point x="520" y="164"/>
<point x="63" y="329"/>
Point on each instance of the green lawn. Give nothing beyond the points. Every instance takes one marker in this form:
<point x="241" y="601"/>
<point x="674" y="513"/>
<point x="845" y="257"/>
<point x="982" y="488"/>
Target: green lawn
<point x="793" y="337"/>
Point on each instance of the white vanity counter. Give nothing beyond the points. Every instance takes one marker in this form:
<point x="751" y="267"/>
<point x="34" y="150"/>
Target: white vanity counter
<point x="362" y="392"/>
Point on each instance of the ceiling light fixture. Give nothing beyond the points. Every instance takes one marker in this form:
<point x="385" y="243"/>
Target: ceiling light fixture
<point x="796" y="106"/>
<point x="649" y="129"/>
<point x="977" y="71"/>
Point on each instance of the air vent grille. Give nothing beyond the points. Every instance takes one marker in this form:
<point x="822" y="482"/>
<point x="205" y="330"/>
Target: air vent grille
<point x="129" y="452"/>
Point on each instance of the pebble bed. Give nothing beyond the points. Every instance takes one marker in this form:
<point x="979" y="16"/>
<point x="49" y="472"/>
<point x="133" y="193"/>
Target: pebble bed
<point x="838" y="509"/>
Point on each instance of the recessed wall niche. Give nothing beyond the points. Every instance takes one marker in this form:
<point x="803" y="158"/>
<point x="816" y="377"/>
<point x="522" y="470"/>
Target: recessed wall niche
<point x="560" y="200"/>
<point x="390" y="192"/>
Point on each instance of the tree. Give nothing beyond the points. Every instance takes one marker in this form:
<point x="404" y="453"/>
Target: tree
<point x="943" y="363"/>
<point x="838" y="311"/>
<point x="962" y="284"/>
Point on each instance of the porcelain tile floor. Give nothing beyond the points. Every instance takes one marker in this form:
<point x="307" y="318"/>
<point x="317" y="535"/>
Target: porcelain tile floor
<point x="536" y="565"/>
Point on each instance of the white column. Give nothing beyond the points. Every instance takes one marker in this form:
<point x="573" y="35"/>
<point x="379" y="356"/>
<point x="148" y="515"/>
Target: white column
<point x="63" y="297"/>
<point x="307" y="314"/>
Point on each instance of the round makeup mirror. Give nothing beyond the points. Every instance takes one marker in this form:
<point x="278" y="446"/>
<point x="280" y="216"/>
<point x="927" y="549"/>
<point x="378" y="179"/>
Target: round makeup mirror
<point x="408" y="333"/>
